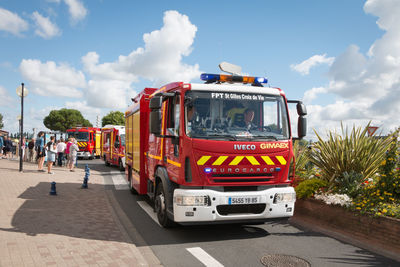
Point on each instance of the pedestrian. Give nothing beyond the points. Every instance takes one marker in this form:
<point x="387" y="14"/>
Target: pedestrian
<point x="23" y="145"/>
<point x="51" y="149"/>
<point x="31" y="150"/>
<point x="1" y="146"/>
<point x="8" y="147"/>
<point x="60" y="151"/>
<point x="67" y="151"/>
<point x="73" y="153"/>
<point x="40" y="151"/>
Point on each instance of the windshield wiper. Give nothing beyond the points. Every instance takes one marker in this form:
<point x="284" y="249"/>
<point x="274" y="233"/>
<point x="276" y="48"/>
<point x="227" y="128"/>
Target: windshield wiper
<point x="266" y="137"/>
<point x="231" y="137"/>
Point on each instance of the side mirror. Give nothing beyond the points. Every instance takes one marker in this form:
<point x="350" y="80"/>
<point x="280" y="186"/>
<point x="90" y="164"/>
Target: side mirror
<point x="302" y="121"/>
<point x="301" y="109"/>
<point x="155" y="122"/>
<point x="156" y="102"/>
<point x="302" y="127"/>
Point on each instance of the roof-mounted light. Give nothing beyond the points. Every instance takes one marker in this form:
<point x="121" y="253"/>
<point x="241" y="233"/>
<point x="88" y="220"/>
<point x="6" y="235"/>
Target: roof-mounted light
<point x="211" y="78"/>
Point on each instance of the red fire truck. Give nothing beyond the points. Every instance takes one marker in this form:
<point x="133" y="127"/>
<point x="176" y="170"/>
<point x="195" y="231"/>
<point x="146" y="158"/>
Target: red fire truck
<point x="88" y="139"/>
<point x="113" y="145"/>
<point x="214" y="152"/>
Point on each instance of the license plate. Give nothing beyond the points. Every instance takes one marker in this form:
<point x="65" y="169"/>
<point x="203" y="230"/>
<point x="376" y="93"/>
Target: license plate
<point x="243" y="200"/>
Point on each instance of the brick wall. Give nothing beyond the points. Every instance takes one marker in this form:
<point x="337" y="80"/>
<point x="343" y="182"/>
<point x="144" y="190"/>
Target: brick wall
<point x="379" y="231"/>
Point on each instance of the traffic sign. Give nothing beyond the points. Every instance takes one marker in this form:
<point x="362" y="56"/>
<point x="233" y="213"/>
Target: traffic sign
<point x="371" y="130"/>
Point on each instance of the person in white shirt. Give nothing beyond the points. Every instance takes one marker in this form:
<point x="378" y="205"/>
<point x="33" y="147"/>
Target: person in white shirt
<point x="60" y="151"/>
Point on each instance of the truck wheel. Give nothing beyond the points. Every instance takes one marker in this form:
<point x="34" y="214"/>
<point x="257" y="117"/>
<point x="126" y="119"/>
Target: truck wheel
<point x="161" y="207"/>
<point x="105" y="161"/>
<point x="121" y="166"/>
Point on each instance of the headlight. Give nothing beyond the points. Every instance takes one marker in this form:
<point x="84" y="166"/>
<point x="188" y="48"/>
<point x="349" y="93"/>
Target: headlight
<point x="284" y="197"/>
<point x="192" y="200"/>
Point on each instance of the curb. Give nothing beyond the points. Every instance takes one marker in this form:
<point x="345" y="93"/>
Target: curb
<point x="310" y="225"/>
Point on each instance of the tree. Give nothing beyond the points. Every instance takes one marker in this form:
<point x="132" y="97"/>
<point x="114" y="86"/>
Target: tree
<point x="114" y="118"/>
<point x="63" y="119"/>
<point x="1" y="121"/>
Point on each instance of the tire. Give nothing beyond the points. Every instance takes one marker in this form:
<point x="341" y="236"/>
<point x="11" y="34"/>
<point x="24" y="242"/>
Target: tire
<point x="105" y="161"/>
<point x="161" y="207"/>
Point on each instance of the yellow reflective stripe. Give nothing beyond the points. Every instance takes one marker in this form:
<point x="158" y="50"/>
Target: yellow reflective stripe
<point x="236" y="160"/>
<point x="252" y="160"/>
<point x="203" y="160"/>
<point x="220" y="160"/>
<point x="281" y="160"/>
<point x="154" y="157"/>
<point x="177" y="164"/>
<point x="268" y="160"/>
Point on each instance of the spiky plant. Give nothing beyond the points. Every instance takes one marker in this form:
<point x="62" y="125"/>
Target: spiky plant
<point x="300" y="150"/>
<point x="355" y="152"/>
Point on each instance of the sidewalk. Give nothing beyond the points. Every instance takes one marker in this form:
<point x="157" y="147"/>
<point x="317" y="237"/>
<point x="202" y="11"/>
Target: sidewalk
<point x="78" y="227"/>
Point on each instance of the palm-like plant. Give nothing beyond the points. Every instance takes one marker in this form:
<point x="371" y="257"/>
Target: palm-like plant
<point x="300" y="151"/>
<point x="356" y="153"/>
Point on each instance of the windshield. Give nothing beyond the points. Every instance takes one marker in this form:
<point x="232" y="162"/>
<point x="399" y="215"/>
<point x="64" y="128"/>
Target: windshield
<point x="122" y="139"/>
<point x="235" y="116"/>
<point x="79" y="136"/>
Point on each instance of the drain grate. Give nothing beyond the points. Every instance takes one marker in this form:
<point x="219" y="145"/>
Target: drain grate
<point x="277" y="260"/>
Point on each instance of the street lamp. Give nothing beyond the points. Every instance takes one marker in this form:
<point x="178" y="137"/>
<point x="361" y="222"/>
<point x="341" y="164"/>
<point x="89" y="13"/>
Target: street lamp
<point x="21" y="92"/>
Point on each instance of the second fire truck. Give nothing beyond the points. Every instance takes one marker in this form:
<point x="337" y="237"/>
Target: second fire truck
<point x="89" y="139"/>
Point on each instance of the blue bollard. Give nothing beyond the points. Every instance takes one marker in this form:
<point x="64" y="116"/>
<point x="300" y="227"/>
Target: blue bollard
<point x="53" y="191"/>
<point x="86" y="178"/>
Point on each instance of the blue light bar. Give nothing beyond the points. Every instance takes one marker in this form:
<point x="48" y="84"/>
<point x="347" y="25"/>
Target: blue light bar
<point x="210" y="78"/>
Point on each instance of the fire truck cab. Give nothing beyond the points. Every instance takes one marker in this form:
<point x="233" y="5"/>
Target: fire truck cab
<point x="214" y="152"/>
<point x="89" y="139"/>
<point x="113" y="145"/>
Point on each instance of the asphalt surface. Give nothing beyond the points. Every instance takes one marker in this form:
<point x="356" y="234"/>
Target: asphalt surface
<point x="226" y="245"/>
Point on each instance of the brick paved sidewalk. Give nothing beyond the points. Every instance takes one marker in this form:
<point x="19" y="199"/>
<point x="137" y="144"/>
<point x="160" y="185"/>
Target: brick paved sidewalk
<point x="78" y="227"/>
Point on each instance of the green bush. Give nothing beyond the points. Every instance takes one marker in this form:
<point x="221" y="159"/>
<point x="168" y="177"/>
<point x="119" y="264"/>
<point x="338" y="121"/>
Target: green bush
<point x="309" y="187"/>
<point x="349" y="184"/>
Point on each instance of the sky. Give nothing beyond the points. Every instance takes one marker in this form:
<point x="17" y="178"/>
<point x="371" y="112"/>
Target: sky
<point x="340" y="57"/>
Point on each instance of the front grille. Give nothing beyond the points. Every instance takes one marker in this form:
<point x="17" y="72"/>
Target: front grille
<point x="240" y="180"/>
<point x="225" y="210"/>
<point x="242" y="175"/>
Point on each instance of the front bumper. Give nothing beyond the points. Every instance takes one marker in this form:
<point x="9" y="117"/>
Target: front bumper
<point x="220" y="208"/>
<point x="84" y="154"/>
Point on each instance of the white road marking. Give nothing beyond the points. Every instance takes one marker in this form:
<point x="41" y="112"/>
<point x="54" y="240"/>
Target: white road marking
<point x="149" y="210"/>
<point x="204" y="257"/>
<point x="119" y="182"/>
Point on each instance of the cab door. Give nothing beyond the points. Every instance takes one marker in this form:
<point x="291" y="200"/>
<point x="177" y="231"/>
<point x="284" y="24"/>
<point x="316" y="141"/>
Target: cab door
<point x="172" y="148"/>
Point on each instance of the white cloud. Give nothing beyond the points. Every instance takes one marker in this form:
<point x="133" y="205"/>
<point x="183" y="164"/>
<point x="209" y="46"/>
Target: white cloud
<point x="304" y="67"/>
<point x="160" y="61"/>
<point x="44" y="27"/>
<point x="311" y="94"/>
<point x="5" y="99"/>
<point x="367" y="87"/>
<point x="76" y="9"/>
<point x="48" y="79"/>
<point x="11" y="22"/>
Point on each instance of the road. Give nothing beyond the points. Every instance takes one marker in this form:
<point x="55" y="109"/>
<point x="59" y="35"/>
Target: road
<point x="228" y="245"/>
